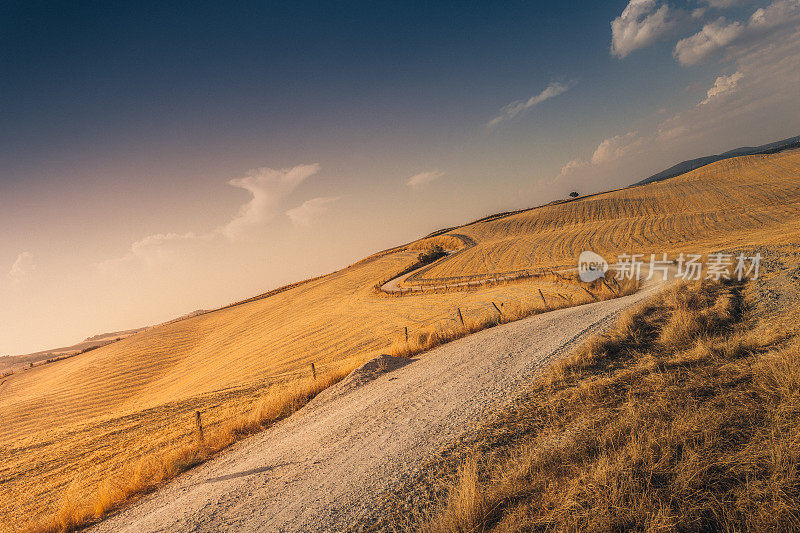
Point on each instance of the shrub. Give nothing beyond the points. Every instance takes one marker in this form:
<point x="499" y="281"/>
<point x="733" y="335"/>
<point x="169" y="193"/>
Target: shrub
<point x="431" y="254"/>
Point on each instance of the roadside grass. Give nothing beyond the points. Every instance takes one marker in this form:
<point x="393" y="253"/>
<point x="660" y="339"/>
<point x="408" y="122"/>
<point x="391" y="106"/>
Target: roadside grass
<point x="78" y="510"/>
<point x="684" y="417"/>
<point x="445" y="332"/>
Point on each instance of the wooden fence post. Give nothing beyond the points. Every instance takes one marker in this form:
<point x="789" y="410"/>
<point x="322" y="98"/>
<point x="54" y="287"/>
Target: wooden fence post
<point x="498" y="309"/>
<point x="199" y="425"/>
<point x="543" y="300"/>
<point x="406" y="328"/>
<point x="460" y="316"/>
<point x="313" y="370"/>
<point x="589" y="293"/>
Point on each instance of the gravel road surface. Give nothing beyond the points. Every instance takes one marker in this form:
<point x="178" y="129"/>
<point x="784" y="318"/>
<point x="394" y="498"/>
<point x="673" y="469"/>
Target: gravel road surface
<point x="329" y="464"/>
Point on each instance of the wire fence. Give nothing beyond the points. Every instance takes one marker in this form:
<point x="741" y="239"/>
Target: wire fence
<point x="422" y="285"/>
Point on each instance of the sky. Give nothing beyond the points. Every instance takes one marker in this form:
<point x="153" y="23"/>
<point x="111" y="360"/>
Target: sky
<point x="162" y="157"/>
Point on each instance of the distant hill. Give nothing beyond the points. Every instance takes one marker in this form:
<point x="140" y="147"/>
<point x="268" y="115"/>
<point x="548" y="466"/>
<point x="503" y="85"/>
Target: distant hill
<point x="692" y="164"/>
<point x="111" y="336"/>
<point x="13" y="363"/>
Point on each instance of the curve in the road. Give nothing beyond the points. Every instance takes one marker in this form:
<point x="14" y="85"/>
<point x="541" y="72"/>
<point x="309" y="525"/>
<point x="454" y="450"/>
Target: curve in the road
<point x="329" y="464"/>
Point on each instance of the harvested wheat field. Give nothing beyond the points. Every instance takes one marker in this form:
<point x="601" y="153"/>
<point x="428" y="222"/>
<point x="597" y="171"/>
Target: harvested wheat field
<point x="68" y="427"/>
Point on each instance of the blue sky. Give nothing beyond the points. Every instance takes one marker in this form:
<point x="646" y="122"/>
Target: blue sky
<point x="160" y="157"/>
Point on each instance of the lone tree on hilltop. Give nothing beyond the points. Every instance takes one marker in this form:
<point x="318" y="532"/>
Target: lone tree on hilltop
<point x="574" y="194"/>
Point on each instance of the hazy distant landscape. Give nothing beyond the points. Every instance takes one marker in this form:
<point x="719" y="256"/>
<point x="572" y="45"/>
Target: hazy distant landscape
<point x="11" y="363"/>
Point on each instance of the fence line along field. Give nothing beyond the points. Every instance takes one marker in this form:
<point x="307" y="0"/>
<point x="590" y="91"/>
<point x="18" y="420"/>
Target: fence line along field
<point x="68" y="425"/>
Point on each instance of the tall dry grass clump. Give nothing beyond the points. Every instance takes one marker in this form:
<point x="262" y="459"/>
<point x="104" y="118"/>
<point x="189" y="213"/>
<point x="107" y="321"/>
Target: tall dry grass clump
<point x="685" y="416"/>
<point x="78" y="509"/>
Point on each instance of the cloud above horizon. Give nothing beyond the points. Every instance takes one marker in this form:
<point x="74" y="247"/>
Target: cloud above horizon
<point x="21" y="268"/>
<point x="720" y="34"/>
<point x="642" y="23"/>
<point x="418" y="181"/>
<point x="514" y="109"/>
<point x="608" y="150"/>
<point x="304" y="215"/>
<point x="712" y="37"/>
<point x="268" y="188"/>
<point x="722" y="85"/>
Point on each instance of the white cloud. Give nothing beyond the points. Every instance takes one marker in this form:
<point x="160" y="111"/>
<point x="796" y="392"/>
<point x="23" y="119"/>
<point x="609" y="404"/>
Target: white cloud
<point x="268" y="187"/>
<point x="615" y="147"/>
<point x="722" y="85"/>
<point x="607" y="151"/>
<point x="777" y="14"/>
<point x="515" y="108"/>
<point x="571" y="166"/>
<point x="22" y="268"/>
<point x="597" y="171"/>
<point x="761" y="94"/>
<point x="712" y="37"/>
<point x="642" y="23"/>
<point x="305" y="214"/>
<point x="155" y="250"/>
<point x="159" y="239"/>
<point x="423" y="178"/>
<point x="159" y="246"/>
<point x="720" y="34"/>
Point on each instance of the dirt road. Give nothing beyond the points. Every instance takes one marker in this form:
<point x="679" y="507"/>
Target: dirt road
<point x="329" y="464"/>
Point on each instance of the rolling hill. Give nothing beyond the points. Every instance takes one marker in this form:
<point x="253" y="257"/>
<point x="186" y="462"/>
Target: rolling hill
<point x="67" y="425"/>
<point x="692" y="164"/>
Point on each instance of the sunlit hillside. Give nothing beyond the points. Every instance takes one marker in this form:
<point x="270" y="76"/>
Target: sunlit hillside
<point x="76" y="420"/>
<point x="725" y="204"/>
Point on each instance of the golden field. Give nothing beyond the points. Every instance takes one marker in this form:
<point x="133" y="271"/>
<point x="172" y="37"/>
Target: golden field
<point x="67" y="426"/>
<point x="724" y="205"/>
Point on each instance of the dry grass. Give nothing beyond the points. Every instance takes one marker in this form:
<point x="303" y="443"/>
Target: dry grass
<point x="77" y="421"/>
<point x="684" y="417"/>
<point x="78" y="509"/>
<point x="454" y="328"/>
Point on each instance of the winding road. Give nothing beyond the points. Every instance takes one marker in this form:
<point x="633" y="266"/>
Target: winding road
<point x="329" y="465"/>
